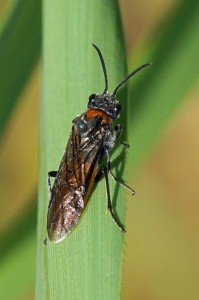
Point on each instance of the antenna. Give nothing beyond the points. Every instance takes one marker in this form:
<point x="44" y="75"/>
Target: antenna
<point x="129" y="76"/>
<point x="103" y="67"/>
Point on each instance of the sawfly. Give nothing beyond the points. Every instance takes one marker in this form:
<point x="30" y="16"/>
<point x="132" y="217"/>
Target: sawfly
<point x="91" y="139"/>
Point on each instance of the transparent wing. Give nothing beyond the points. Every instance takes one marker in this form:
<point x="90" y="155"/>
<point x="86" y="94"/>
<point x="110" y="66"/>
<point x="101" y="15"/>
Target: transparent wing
<point x="73" y="182"/>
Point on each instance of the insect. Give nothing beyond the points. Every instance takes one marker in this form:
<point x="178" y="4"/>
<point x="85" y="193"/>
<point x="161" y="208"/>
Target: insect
<point x="91" y="139"/>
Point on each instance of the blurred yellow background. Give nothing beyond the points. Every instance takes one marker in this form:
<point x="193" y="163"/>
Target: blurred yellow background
<point x="162" y="241"/>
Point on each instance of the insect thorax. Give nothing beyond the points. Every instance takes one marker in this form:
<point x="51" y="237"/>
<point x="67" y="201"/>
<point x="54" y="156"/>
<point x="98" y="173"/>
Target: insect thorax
<point x="96" y="127"/>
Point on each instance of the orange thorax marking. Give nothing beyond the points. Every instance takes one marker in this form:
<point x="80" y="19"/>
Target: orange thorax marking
<point x="99" y="113"/>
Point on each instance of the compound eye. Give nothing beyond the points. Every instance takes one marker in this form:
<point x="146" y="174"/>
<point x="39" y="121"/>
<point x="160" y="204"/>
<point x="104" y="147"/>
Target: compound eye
<point x="118" y="108"/>
<point x="92" y="97"/>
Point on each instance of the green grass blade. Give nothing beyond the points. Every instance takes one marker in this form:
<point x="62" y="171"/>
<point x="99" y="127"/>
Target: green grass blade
<point x="18" y="269"/>
<point x="87" y="264"/>
<point x="173" y="73"/>
<point x="18" y="230"/>
<point x="20" y="43"/>
<point x="18" y="254"/>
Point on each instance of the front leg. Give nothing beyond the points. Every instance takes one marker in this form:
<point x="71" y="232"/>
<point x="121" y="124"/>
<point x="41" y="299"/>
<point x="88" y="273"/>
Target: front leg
<point x="118" y="130"/>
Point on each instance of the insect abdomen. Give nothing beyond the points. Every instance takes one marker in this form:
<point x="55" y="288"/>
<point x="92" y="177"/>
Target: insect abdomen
<point x="63" y="216"/>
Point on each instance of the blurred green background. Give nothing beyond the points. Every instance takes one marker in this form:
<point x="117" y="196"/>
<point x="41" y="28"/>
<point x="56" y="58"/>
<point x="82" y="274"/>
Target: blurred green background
<point x="162" y="240"/>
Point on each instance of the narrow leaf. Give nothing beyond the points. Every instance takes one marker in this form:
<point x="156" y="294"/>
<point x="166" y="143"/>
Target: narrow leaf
<point x="174" y="71"/>
<point x="20" y="42"/>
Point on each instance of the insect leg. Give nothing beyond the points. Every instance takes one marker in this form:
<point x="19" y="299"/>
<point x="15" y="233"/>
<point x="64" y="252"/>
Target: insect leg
<point x="51" y="174"/>
<point x="118" y="130"/>
<point x="105" y="171"/>
<point x="114" y="177"/>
